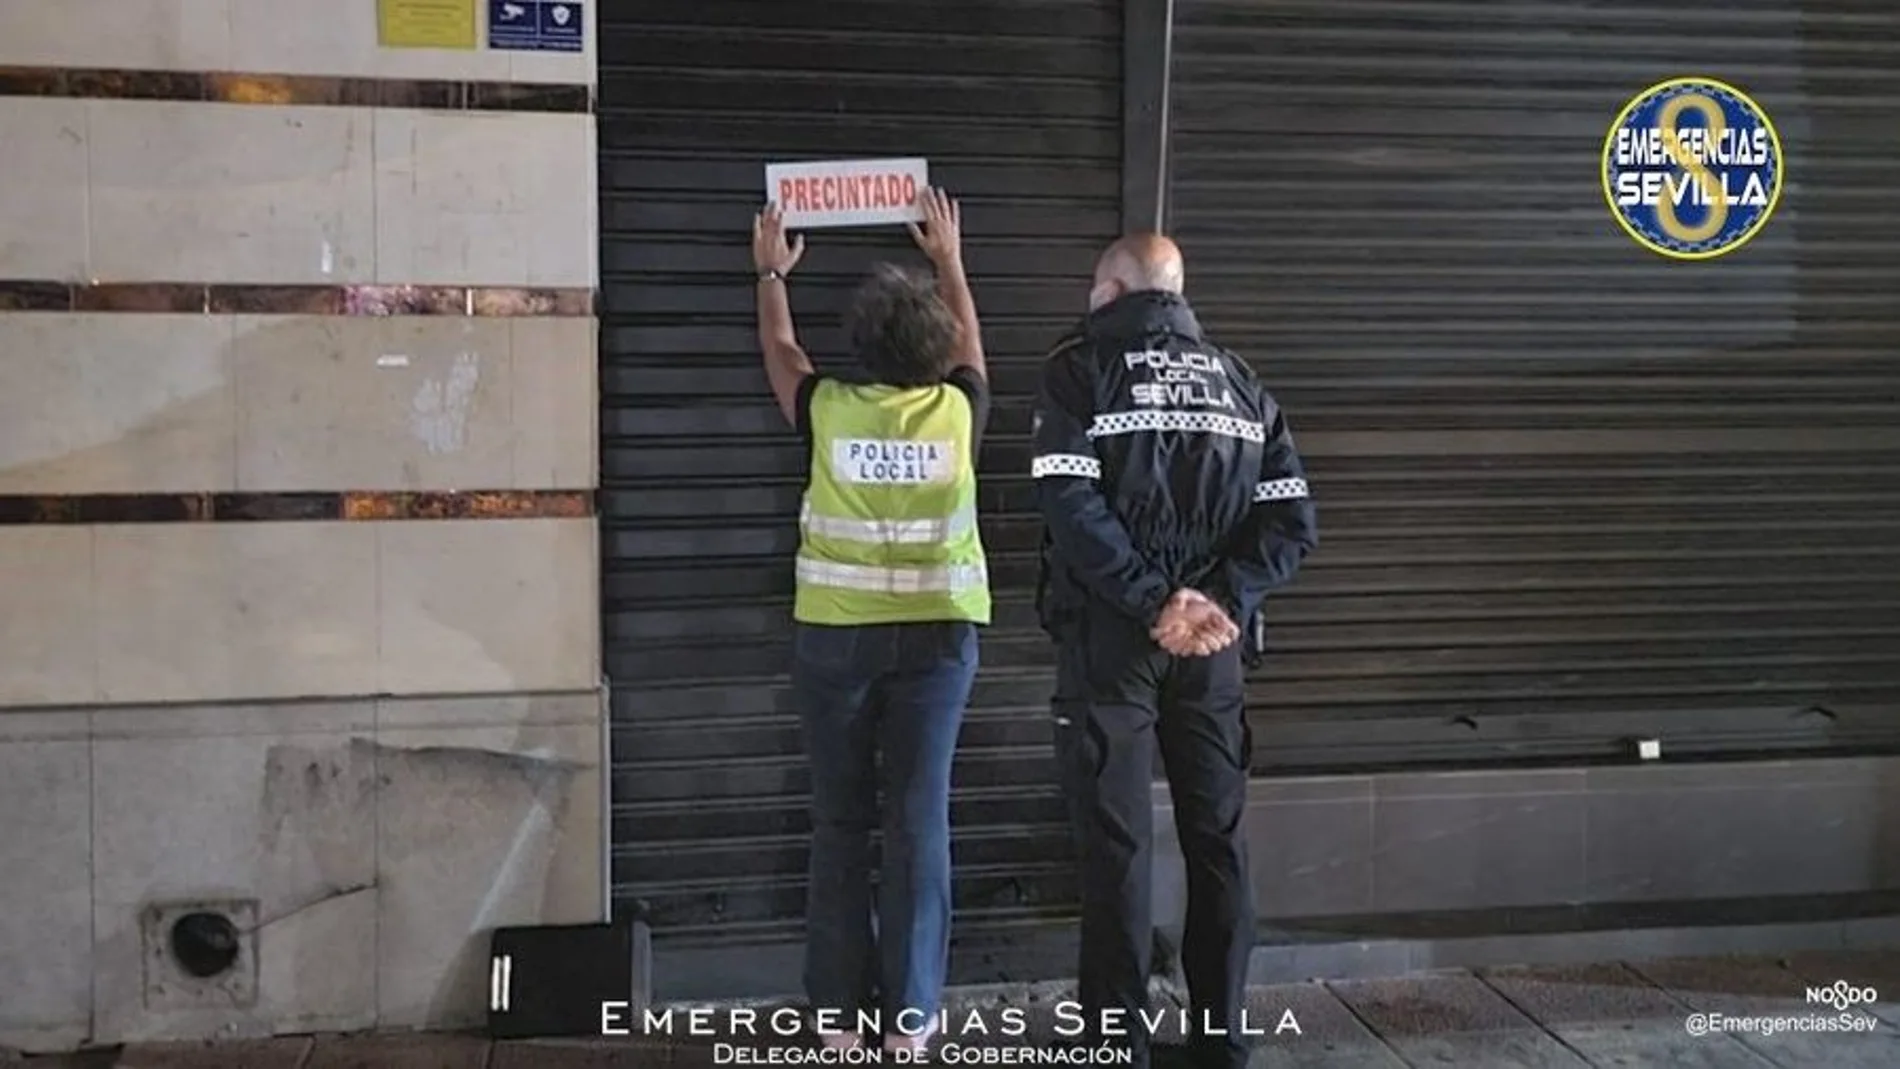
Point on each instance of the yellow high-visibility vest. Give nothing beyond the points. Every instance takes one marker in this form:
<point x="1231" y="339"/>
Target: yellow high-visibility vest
<point x="888" y="527"/>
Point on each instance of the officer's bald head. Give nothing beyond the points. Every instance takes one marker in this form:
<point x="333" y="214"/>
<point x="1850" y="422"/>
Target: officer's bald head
<point x="1135" y="263"/>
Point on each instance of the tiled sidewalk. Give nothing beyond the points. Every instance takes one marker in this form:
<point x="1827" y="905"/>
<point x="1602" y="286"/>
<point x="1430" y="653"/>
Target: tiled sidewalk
<point x="1636" y="1014"/>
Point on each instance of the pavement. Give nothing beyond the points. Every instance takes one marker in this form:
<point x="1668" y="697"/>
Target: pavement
<point x="1683" y="1013"/>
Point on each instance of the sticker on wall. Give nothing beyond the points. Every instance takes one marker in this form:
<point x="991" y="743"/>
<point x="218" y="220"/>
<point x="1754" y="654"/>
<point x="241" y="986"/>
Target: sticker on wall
<point x="847" y="192"/>
<point x="425" y="23"/>
<point x="535" y="26"/>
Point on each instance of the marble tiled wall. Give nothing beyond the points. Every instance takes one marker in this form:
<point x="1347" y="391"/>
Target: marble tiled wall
<point x="192" y="612"/>
<point x="157" y="190"/>
<point x="374" y="838"/>
<point x="214" y="403"/>
<point x="322" y="37"/>
<point x="384" y="734"/>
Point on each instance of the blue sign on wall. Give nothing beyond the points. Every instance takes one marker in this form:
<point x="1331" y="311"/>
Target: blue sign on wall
<point x="535" y="26"/>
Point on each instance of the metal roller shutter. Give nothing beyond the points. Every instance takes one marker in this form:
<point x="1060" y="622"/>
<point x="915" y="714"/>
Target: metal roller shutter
<point x="1570" y="492"/>
<point x="1018" y="108"/>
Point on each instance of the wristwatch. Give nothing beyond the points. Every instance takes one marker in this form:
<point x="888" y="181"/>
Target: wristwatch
<point x="771" y="274"/>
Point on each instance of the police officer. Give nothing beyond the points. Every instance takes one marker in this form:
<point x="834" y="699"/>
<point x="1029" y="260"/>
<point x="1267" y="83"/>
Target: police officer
<point x="892" y="586"/>
<point x="1173" y="501"/>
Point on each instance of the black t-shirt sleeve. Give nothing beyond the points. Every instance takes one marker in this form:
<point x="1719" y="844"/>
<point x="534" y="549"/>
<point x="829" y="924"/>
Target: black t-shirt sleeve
<point x="971" y="382"/>
<point x="801" y="404"/>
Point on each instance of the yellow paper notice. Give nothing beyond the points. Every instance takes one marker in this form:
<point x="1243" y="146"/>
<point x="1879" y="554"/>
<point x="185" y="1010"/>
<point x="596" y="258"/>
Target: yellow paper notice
<point x="426" y="23"/>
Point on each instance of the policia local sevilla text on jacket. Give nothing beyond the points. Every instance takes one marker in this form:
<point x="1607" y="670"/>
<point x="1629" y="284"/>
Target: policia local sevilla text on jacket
<point x="1160" y="464"/>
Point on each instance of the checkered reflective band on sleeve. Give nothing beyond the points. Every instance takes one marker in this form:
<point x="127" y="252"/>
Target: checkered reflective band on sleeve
<point x="1280" y="490"/>
<point x="1161" y="419"/>
<point x="1065" y="464"/>
<point x="887" y="532"/>
<point x="892" y="580"/>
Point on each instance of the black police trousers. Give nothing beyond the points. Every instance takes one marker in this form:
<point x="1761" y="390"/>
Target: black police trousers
<point x="1119" y="701"/>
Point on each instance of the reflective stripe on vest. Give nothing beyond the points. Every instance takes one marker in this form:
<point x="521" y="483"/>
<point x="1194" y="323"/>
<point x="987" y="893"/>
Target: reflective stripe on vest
<point x="951" y="580"/>
<point x="886" y="532"/>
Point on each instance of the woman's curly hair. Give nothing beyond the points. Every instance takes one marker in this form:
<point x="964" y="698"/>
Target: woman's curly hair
<point x="900" y="329"/>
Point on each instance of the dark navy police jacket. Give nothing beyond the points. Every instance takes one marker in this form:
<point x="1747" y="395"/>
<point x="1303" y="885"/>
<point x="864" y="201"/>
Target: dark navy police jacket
<point x="1161" y="462"/>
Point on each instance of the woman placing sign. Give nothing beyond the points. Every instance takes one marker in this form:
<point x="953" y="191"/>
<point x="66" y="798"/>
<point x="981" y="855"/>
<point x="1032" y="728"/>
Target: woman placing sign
<point x="892" y="586"/>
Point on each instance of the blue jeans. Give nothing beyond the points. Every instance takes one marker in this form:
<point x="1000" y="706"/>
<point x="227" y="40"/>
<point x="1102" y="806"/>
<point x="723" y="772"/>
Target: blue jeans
<point x="895" y="691"/>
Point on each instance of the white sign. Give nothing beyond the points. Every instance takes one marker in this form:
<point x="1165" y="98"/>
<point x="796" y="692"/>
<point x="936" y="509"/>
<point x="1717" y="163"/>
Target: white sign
<point x="847" y="192"/>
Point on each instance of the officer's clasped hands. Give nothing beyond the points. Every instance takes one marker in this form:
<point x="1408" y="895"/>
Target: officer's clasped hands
<point x="1192" y="625"/>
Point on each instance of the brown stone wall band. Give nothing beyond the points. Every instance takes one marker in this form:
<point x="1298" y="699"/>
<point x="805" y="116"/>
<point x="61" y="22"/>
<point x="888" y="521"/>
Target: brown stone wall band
<point x="35" y="509"/>
<point x="26" y="295"/>
<point x="295" y="89"/>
